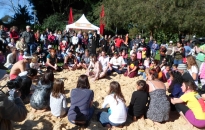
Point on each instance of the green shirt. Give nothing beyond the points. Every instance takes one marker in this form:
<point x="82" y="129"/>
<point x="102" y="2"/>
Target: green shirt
<point x="200" y="56"/>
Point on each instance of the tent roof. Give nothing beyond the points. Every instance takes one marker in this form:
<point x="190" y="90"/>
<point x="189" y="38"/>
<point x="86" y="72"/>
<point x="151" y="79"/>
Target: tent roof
<point x="82" y="23"/>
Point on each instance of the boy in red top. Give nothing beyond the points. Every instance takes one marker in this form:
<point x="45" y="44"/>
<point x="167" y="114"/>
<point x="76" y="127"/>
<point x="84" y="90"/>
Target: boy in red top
<point x="118" y="42"/>
<point x="63" y="45"/>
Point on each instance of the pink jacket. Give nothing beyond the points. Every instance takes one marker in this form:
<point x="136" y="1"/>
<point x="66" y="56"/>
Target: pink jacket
<point x="202" y="71"/>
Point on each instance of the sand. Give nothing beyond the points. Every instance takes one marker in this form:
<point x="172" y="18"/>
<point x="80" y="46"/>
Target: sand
<point x="45" y="121"/>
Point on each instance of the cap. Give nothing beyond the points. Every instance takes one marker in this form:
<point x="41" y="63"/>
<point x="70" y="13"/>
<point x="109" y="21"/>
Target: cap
<point x="50" y="46"/>
<point x="182" y="67"/>
<point x="27" y="56"/>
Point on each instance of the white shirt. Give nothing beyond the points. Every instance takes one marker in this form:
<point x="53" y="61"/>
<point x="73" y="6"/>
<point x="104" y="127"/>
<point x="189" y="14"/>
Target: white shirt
<point x="75" y="40"/>
<point x="117" y="62"/>
<point x="58" y="105"/>
<point x="195" y="70"/>
<point x="34" y="65"/>
<point x="118" y="110"/>
<point x="104" y="62"/>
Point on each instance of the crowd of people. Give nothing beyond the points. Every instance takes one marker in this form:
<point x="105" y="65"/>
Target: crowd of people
<point x="180" y="65"/>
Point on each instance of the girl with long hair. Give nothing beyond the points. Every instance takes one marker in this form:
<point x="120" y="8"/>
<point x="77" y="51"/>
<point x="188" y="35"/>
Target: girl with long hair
<point x="193" y="68"/>
<point x="58" y="102"/>
<point x="81" y="108"/>
<point x="117" y="113"/>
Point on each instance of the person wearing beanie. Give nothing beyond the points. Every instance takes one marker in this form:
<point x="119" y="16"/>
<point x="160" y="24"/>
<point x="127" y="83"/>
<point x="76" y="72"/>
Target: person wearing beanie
<point x="182" y="68"/>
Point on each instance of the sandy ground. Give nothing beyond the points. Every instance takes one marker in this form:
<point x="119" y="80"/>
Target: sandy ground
<point x="45" y="121"/>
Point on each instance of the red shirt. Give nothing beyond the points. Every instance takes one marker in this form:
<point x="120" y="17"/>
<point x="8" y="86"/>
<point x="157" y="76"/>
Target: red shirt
<point x="14" y="35"/>
<point x="51" y="38"/>
<point x="63" y="46"/>
<point x="118" y="42"/>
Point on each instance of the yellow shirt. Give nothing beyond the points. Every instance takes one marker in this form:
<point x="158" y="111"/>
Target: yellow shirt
<point x="193" y="104"/>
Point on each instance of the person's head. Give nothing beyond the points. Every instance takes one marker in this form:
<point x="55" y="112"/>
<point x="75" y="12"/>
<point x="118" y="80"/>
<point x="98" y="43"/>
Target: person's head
<point x="38" y="48"/>
<point x="70" y="54"/>
<point x="34" y="59"/>
<point x="79" y="45"/>
<point x="47" y="78"/>
<point x="116" y="90"/>
<point x="188" y="85"/>
<point x="179" y="44"/>
<point x="32" y="73"/>
<point x="14" y="50"/>
<point x="103" y="53"/>
<point x="21" y="52"/>
<point x="52" y="52"/>
<point x="113" y="47"/>
<point x="154" y="63"/>
<point x="27" y="58"/>
<point x="133" y="56"/>
<point x="28" y="28"/>
<point x="158" y="69"/>
<point x="176" y="77"/>
<point x="58" y="88"/>
<point x="142" y="85"/>
<point x="182" y="68"/>
<point x="83" y="82"/>
<point x="151" y="74"/>
<point x="93" y="58"/>
<point x="167" y="68"/>
<point x="191" y="61"/>
<point x="174" y="67"/>
<point x="170" y="43"/>
<point x="12" y="40"/>
<point x="87" y="52"/>
<point x="22" y="39"/>
<point x="116" y="54"/>
<point x="51" y="33"/>
<point x="1" y="27"/>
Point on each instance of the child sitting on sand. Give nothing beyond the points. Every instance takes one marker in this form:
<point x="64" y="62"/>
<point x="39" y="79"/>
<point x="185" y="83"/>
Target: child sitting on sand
<point x="34" y="64"/>
<point x="137" y="108"/>
<point x="117" y="113"/>
<point x="58" y="102"/>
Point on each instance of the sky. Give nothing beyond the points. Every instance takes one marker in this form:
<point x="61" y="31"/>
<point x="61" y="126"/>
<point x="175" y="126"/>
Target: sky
<point x="5" y="6"/>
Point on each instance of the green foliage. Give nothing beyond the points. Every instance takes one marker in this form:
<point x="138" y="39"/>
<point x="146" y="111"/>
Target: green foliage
<point x="21" y="17"/>
<point x="55" y="21"/>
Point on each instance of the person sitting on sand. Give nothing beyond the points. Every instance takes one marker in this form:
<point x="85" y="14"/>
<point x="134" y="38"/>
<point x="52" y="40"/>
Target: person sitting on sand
<point x="95" y="68"/>
<point x="11" y="58"/>
<point x="26" y="83"/>
<point x="188" y="105"/>
<point x="58" y="102"/>
<point x="20" y="66"/>
<point x="132" y="67"/>
<point x="138" y="104"/>
<point x="159" y="106"/>
<point x="176" y="83"/>
<point x="41" y="95"/>
<point x="117" y="113"/>
<point x="116" y="64"/>
<point x="70" y="61"/>
<point x="85" y="60"/>
<point x="51" y="60"/>
<point x="81" y="108"/>
<point x="104" y="61"/>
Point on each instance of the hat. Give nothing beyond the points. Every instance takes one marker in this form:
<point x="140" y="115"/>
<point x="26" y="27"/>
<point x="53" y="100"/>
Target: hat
<point x="116" y="52"/>
<point x="201" y="90"/>
<point x="182" y="67"/>
<point x="50" y="46"/>
<point x="27" y="56"/>
<point x="170" y="41"/>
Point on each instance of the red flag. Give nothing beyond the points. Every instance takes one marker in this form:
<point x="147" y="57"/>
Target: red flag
<point x="102" y="13"/>
<point x="70" y="16"/>
<point x="102" y="24"/>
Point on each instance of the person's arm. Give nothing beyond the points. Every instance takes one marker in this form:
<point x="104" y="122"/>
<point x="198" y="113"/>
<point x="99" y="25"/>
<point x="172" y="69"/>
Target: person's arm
<point x="194" y="72"/>
<point x="132" y="101"/>
<point x="15" y="111"/>
<point x="176" y="100"/>
<point x="106" y="102"/>
<point x="64" y="102"/>
<point x="49" y="64"/>
<point x="22" y="68"/>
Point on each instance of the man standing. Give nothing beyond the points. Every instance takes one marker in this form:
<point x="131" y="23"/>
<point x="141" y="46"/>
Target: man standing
<point x="20" y="66"/>
<point x="29" y="38"/>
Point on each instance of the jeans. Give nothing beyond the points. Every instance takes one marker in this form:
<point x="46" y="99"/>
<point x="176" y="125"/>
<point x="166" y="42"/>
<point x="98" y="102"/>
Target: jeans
<point x="104" y="119"/>
<point x="177" y="62"/>
<point x="115" y="70"/>
<point x="31" y="48"/>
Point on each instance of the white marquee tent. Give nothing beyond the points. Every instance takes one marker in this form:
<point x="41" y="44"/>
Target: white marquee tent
<point x="83" y="23"/>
